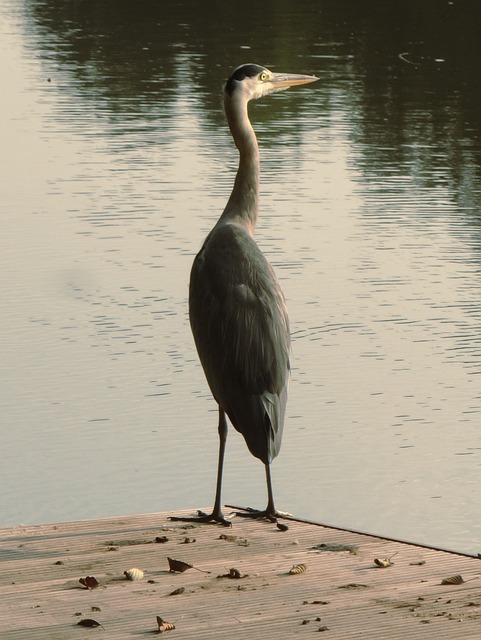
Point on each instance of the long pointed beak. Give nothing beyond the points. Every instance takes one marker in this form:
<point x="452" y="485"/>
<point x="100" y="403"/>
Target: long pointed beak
<point x="285" y="80"/>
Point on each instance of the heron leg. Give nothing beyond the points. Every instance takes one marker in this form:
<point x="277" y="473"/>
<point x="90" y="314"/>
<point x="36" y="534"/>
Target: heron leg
<point x="270" y="512"/>
<point x="216" y="515"/>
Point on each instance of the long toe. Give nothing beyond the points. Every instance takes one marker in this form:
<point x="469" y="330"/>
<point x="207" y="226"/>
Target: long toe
<point x="204" y="518"/>
<point x="267" y="514"/>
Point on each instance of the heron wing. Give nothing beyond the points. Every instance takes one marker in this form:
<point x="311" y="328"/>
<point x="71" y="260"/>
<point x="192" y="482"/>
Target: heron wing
<point x="241" y="330"/>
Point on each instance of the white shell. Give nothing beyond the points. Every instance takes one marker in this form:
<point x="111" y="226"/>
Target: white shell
<point x="134" y="574"/>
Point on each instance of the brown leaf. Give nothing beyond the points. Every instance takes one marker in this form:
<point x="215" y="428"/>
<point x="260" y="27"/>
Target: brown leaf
<point x="161" y="539"/>
<point x="353" y="585"/>
<point x="336" y="547"/>
<point x="177" y="592"/>
<point x="89" y="622"/>
<point x="234" y="574"/>
<point x="89" y="582"/>
<point x="178" y="566"/>
<point x="282" y="527"/>
<point x="383" y="562"/>
<point x="229" y="538"/>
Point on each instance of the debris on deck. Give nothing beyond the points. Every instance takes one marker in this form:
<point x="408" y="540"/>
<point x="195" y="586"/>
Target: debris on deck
<point x="127" y="577"/>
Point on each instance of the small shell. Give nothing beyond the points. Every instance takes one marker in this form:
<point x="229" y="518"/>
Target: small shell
<point x="134" y="574"/>
<point x="164" y="625"/>
<point x="298" y="568"/>
<point x="457" y="579"/>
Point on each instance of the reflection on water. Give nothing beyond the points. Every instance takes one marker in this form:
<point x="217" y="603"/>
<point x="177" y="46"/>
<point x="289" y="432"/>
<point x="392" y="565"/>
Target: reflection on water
<point x="117" y="162"/>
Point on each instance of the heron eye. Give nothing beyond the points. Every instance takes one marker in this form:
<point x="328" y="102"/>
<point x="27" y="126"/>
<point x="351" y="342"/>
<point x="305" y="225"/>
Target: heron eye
<point x="263" y="76"/>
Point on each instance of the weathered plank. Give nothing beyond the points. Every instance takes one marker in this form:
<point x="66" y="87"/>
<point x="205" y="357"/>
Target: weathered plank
<point x="342" y="591"/>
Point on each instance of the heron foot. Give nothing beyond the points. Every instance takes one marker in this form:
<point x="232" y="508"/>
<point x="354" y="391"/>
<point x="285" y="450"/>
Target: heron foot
<point x="268" y="514"/>
<point x="204" y="518"/>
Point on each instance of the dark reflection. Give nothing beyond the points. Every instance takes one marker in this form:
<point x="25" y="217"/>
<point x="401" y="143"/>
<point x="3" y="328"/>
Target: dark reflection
<point x="406" y="72"/>
<point x="138" y="55"/>
<point x="128" y="57"/>
<point x="418" y="102"/>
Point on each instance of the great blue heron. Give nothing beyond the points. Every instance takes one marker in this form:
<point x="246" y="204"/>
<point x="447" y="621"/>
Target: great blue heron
<point x="236" y="306"/>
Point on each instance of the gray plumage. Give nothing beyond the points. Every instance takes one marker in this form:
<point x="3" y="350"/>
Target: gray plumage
<point x="241" y="329"/>
<point x="237" y="309"/>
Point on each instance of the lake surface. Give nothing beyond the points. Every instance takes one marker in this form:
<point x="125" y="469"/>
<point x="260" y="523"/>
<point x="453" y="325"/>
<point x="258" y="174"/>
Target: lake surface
<point x="116" y="162"/>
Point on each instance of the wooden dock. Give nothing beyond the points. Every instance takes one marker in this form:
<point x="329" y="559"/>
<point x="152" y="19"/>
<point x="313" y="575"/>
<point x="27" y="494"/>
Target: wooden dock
<point x="239" y="585"/>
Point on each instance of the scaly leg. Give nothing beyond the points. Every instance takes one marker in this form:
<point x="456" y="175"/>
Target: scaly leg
<point x="270" y="512"/>
<point x="216" y="515"/>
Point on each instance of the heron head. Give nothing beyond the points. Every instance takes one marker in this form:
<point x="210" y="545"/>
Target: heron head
<point x="252" y="81"/>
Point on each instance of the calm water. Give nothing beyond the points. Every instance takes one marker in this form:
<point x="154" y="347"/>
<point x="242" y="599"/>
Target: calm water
<point x="116" y="162"/>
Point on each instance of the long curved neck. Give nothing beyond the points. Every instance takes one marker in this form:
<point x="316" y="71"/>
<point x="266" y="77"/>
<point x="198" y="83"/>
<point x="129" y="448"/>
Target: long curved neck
<point x="242" y="206"/>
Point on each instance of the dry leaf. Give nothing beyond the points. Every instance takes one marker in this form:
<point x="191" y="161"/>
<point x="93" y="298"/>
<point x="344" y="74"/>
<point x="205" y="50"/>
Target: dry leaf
<point x="177" y="592"/>
<point x="282" y="527"/>
<point x="457" y="579"/>
<point x="383" y="562"/>
<point x="177" y="566"/>
<point x="89" y="622"/>
<point x="242" y="542"/>
<point x="164" y="625"/>
<point x="233" y="573"/>
<point x="161" y="539"/>
<point x="353" y="585"/>
<point x="336" y="547"/>
<point x="229" y="538"/>
<point x="298" y="568"/>
<point x="89" y="582"/>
